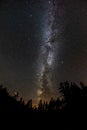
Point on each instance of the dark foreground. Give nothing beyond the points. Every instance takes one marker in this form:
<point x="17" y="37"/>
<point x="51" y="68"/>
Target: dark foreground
<point x="69" y="113"/>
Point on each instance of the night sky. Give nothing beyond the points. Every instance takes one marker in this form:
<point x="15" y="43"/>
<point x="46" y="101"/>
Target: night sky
<point x="42" y="42"/>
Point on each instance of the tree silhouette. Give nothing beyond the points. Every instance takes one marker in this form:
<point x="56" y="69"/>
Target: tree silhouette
<point x="73" y="105"/>
<point x="29" y="104"/>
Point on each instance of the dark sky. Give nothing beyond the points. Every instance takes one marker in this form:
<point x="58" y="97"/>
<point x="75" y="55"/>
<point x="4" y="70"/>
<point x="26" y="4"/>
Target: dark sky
<point x="21" y="31"/>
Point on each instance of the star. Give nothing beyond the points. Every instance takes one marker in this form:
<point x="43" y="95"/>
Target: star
<point x="49" y="2"/>
<point x="28" y="38"/>
<point x="31" y="15"/>
<point x="62" y="62"/>
<point x="20" y="24"/>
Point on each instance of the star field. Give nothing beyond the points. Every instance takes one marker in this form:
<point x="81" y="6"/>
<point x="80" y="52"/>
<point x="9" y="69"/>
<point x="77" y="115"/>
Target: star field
<point x="42" y="39"/>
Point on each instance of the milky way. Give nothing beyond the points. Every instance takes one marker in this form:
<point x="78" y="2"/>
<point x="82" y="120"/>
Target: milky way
<point x="48" y="52"/>
<point x="42" y="43"/>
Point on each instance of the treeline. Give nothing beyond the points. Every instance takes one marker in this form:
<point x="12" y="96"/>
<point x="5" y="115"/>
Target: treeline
<point x="72" y="96"/>
<point x="71" y="107"/>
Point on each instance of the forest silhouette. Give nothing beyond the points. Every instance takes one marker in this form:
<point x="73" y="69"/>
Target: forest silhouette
<point x="71" y="110"/>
